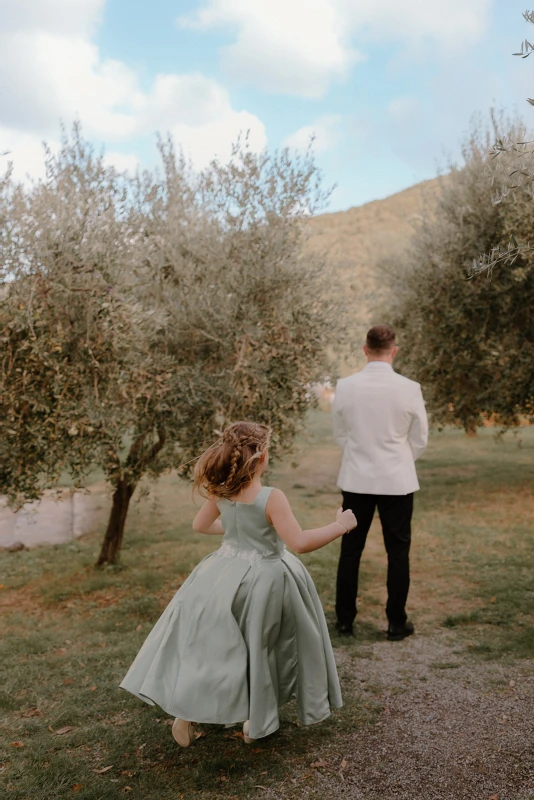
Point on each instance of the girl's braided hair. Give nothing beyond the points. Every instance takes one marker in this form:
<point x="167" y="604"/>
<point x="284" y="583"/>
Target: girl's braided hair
<point x="229" y="465"/>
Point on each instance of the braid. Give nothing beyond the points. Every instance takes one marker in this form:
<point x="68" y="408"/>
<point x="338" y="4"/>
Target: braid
<point x="234" y="459"/>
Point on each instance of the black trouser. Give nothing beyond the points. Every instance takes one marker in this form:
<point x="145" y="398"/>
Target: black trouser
<point x="395" y="513"/>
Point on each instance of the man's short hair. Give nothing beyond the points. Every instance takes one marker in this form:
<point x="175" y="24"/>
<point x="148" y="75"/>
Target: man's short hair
<point x="380" y="339"/>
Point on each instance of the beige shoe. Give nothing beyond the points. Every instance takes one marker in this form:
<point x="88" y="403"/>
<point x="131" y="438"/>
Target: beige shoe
<point x="183" y="732"/>
<point x="246" y="737"/>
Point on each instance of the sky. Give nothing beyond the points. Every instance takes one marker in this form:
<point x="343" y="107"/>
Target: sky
<point x="387" y="87"/>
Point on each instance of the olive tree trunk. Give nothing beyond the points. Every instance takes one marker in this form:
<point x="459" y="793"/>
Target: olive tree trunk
<point x="109" y="554"/>
<point x="138" y="459"/>
<point x="470" y="427"/>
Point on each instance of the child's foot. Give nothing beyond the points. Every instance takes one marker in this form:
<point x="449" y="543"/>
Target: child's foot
<point x="183" y="732"/>
<point x="246" y="737"/>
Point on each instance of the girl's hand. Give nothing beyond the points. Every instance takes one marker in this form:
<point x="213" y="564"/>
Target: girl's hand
<point x="346" y="518"/>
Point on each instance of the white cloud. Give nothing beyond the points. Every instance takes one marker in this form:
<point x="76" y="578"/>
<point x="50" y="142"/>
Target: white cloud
<point x="25" y="151"/>
<point x="300" y="46"/>
<point x="325" y="132"/>
<point x="51" y="70"/>
<point x="48" y="77"/>
<point x="197" y="111"/>
<point x="61" y="17"/>
<point x="215" y="139"/>
<point x="287" y="46"/>
<point x="195" y="99"/>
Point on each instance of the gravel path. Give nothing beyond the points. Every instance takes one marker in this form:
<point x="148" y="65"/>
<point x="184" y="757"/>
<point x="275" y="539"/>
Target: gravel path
<point x="453" y="728"/>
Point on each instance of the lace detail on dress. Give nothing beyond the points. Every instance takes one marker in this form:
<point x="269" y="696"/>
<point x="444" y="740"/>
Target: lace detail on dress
<point x="227" y="550"/>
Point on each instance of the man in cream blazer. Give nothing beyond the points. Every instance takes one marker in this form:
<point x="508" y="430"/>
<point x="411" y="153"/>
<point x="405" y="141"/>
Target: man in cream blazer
<point x="380" y="424"/>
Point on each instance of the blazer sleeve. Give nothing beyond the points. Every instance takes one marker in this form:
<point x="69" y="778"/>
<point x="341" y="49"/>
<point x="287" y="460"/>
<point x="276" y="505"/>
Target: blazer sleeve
<point x="338" y="427"/>
<point x="418" y="433"/>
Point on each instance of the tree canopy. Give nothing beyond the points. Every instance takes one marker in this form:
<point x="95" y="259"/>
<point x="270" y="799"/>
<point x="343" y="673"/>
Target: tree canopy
<point x="139" y="315"/>
<point x="468" y="337"/>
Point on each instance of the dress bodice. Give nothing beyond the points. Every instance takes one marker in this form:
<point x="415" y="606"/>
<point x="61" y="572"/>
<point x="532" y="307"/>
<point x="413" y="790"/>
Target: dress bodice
<point x="247" y="533"/>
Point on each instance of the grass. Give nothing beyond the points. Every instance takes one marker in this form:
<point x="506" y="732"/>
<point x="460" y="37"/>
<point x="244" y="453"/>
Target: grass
<point x="70" y="632"/>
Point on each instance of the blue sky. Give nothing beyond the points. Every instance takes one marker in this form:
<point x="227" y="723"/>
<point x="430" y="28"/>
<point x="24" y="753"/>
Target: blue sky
<point x="388" y="86"/>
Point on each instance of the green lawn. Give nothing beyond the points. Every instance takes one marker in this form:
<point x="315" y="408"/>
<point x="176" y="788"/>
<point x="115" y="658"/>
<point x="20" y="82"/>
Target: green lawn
<point x="69" y="632"/>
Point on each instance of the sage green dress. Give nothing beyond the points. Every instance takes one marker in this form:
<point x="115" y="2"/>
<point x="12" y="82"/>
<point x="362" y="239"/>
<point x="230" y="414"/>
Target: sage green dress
<point x="244" y="634"/>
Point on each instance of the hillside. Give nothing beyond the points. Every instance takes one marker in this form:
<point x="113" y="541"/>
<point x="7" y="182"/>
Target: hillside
<point x="356" y="239"/>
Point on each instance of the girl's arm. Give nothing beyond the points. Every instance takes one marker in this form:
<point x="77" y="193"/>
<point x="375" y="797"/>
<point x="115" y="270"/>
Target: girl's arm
<point x="207" y="520"/>
<point x="282" y="518"/>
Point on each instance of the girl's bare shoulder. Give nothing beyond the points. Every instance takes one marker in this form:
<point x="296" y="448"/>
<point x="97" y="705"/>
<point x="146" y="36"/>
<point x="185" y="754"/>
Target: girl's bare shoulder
<point x="277" y="499"/>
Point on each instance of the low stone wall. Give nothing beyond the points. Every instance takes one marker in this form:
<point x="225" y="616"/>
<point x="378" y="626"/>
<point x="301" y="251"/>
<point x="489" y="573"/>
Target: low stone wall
<point x="58" y="517"/>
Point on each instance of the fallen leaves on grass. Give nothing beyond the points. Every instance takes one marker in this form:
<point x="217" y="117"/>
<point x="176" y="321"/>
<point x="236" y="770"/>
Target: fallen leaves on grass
<point x="62" y="731"/>
<point x="127" y="789"/>
<point x="344" y="764"/>
<point x="77" y="787"/>
<point x="16" y="744"/>
<point x="31" y="712"/>
<point x="104" y="769"/>
<point x="318" y="764"/>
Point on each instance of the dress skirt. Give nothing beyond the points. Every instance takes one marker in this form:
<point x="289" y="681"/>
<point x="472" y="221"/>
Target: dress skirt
<point x="243" y="635"/>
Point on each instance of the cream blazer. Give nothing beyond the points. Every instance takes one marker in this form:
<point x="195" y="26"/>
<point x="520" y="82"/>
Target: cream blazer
<point x="381" y="426"/>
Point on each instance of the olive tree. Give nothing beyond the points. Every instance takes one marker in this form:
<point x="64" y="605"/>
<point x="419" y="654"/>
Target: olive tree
<point x="244" y="306"/>
<point x="81" y="378"/>
<point x="468" y="338"/>
<point x="140" y="315"/>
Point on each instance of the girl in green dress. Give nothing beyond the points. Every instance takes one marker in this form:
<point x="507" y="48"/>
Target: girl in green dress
<point x="246" y="631"/>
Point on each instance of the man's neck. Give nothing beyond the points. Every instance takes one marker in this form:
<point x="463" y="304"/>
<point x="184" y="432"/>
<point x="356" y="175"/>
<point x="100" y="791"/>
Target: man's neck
<point x="380" y="361"/>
